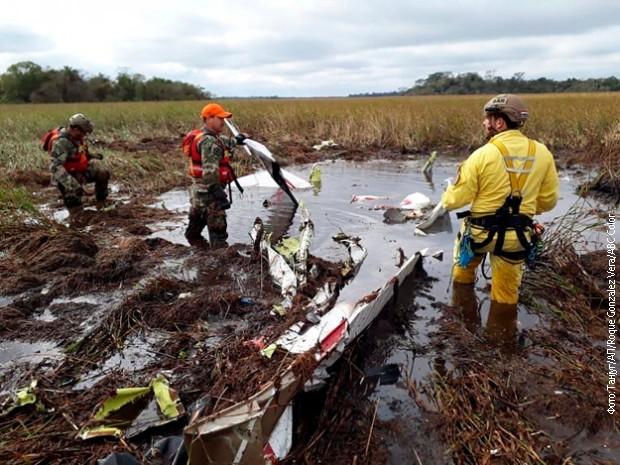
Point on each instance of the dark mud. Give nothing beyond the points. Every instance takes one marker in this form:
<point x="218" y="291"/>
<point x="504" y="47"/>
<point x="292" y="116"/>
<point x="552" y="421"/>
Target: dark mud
<point x="75" y="300"/>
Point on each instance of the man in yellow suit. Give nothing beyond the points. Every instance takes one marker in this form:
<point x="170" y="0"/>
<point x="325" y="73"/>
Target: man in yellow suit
<point x="507" y="181"/>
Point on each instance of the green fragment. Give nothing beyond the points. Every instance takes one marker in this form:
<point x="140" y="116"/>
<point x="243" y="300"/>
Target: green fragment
<point x="26" y="396"/>
<point x="98" y="431"/>
<point x="315" y="179"/>
<point x="288" y="247"/>
<point x="73" y="347"/>
<point x="123" y="397"/>
<point x="269" y="350"/>
<point x="163" y="395"/>
<point x="279" y="309"/>
<point x="429" y="163"/>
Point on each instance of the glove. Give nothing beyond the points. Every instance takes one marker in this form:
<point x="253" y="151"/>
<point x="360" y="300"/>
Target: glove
<point x="539" y="229"/>
<point x="220" y="197"/>
<point x="240" y="137"/>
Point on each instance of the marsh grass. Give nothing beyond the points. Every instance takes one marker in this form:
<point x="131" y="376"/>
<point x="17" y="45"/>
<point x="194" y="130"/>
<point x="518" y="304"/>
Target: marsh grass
<point x="588" y="123"/>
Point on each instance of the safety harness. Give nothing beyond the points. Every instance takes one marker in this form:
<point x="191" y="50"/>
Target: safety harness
<point x="507" y="217"/>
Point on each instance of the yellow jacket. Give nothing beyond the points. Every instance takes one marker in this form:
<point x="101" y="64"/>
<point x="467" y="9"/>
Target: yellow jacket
<point x="483" y="182"/>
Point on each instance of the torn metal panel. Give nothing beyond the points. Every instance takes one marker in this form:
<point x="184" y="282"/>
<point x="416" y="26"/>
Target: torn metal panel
<point x="290" y="254"/>
<point x="239" y="434"/>
<point x="315" y="179"/>
<point x="281" y="273"/>
<point x="437" y="212"/>
<point x="305" y="238"/>
<point x="264" y="179"/>
<point x="357" y="254"/>
<point x="266" y="158"/>
<point x="244" y="433"/>
<point x="437" y="254"/>
<point x="281" y="439"/>
<point x="428" y="166"/>
<point x="324" y="144"/>
<point x="345" y="321"/>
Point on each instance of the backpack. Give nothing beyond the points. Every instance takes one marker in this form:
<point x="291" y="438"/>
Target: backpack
<point x="46" y="140"/>
<point x="189" y="148"/>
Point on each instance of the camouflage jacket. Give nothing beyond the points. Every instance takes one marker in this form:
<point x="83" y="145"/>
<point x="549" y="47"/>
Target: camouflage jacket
<point x="212" y="149"/>
<point x="63" y="149"/>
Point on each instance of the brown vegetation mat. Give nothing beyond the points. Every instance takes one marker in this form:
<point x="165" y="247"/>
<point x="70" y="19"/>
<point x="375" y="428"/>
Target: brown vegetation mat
<point x="211" y="319"/>
<point x="39" y="264"/>
<point x="540" y="400"/>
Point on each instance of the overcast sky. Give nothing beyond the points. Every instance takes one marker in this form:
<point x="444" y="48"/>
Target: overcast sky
<point x="314" y="48"/>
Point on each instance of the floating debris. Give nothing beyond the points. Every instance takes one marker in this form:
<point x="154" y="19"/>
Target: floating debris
<point x="324" y="144"/>
<point x="126" y="412"/>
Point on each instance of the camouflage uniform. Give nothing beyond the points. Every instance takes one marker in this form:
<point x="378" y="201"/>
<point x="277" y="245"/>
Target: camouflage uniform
<point x="70" y="185"/>
<point x="208" y="198"/>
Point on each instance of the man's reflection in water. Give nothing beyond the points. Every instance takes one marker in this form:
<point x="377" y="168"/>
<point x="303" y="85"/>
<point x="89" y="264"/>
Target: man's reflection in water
<point x="465" y="301"/>
<point x="501" y="326"/>
<point x="501" y="329"/>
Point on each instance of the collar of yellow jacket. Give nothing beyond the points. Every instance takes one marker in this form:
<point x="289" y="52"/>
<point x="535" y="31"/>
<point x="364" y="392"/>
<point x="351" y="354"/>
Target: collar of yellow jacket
<point x="506" y="135"/>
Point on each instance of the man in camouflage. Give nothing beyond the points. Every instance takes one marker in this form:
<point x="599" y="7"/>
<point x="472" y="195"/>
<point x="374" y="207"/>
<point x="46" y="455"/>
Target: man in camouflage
<point x="208" y="199"/>
<point x="72" y="165"/>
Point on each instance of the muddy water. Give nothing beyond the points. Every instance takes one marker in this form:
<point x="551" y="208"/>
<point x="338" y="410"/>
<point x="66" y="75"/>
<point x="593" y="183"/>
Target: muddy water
<point x="403" y="343"/>
<point x="332" y="211"/>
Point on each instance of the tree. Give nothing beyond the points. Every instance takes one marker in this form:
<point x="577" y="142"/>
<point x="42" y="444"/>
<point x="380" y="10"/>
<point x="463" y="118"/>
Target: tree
<point x="21" y="80"/>
<point x="101" y="87"/>
<point x="473" y="83"/>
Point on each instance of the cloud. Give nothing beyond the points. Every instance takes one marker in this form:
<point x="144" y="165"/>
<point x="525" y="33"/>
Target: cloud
<point x="323" y="47"/>
<point x="14" y="40"/>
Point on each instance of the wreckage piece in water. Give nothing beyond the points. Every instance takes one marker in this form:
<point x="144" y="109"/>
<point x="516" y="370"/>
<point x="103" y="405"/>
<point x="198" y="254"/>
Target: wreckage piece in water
<point x="260" y="428"/>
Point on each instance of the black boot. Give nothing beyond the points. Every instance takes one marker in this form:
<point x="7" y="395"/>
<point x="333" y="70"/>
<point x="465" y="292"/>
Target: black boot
<point x="101" y="185"/>
<point x="72" y="202"/>
<point x="218" y="238"/>
<point x="193" y="233"/>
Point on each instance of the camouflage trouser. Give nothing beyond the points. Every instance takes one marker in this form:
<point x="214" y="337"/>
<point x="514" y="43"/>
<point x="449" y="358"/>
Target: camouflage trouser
<point x="70" y="185"/>
<point x="208" y="207"/>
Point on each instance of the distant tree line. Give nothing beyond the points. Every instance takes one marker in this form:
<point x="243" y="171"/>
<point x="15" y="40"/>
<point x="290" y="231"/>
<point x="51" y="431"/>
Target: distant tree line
<point x="473" y="83"/>
<point x="449" y="83"/>
<point x="28" y="82"/>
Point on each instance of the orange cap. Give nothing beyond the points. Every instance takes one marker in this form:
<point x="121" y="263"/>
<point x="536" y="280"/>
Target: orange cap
<point x="213" y="109"/>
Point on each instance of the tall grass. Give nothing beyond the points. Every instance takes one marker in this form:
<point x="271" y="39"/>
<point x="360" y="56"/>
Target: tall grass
<point x="563" y="121"/>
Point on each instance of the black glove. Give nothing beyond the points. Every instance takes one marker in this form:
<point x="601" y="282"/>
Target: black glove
<point x="240" y="138"/>
<point x="220" y="197"/>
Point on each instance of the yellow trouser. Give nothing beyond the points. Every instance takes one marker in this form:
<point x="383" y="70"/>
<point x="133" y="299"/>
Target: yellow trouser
<point x="505" y="278"/>
<point x="506" y="274"/>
